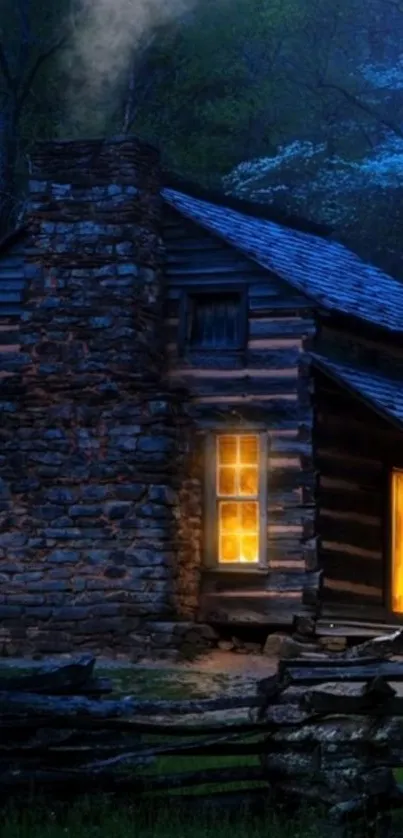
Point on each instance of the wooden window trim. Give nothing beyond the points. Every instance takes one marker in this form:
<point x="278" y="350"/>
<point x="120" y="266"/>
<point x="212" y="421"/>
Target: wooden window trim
<point x="390" y="537"/>
<point x="210" y="522"/>
<point x="211" y="291"/>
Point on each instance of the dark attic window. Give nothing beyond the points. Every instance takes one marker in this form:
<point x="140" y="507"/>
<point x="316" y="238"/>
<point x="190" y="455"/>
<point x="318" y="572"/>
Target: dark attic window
<point x="215" y="320"/>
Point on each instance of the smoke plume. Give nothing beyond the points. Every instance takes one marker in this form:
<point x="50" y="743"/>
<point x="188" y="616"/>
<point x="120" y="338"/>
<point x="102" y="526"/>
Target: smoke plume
<point x="106" y="35"/>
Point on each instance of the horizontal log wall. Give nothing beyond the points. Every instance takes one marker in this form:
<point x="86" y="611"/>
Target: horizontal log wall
<point x="12" y="289"/>
<point x="354" y="450"/>
<point x="263" y="386"/>
<point x="364" y="345"/>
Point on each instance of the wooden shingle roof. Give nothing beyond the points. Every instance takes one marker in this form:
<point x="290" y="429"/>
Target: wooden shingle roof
<point x="380" y="390"/>
<point x="327" y="272"/>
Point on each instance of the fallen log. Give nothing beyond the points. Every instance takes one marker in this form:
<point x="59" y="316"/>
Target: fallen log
<point x="53" y="678"/>
<point x="185" y="779"/>
<point x="217" y="746"/>
<point x="16" y="729"/>
<point x="376" y="697"/>
<point x="306" y="675"/>
<point x="313" y="662"/>
<point x="17" y="704"/>
<point x="383" y="646"/>
<point x="78" y="729"/>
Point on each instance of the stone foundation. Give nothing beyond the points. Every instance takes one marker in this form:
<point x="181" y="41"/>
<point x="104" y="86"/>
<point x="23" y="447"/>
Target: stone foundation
<point x="93" y="443"/>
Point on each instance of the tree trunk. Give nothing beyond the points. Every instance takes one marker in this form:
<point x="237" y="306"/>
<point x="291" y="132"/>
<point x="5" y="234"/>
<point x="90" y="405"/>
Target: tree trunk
<point x="8" y="159"/>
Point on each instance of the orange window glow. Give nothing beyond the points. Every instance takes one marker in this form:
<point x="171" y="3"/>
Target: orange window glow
<point x="237" y="490"/>
<point x="397" y="541"/>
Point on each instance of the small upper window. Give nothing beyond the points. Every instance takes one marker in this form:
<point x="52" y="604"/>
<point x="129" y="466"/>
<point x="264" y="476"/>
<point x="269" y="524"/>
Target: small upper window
<point x="215" y="321"/>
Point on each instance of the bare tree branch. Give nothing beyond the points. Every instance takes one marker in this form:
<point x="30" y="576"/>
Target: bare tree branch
<point x="40" y="60"/>
<point x="5" y="69"/>
<point x="350" y="97"/>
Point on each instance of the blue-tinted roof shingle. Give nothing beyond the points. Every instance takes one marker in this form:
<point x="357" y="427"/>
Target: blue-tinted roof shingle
<point x="381" y="391"/>
<point x="324" y="270"/>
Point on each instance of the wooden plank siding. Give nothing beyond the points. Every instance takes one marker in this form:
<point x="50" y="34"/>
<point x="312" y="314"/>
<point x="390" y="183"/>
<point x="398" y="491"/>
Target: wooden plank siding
<point x="354" y="452"/>
<point x="366" y="346"/>
<point x="263" y="386"/>
<point x="12" y="288"/>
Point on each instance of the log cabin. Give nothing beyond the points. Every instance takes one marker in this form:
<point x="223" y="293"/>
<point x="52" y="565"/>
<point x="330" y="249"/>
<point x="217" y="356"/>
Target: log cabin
<point x="202" y="414"/>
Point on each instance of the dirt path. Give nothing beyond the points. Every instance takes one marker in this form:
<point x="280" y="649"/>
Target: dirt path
<point x="216" y="674"/>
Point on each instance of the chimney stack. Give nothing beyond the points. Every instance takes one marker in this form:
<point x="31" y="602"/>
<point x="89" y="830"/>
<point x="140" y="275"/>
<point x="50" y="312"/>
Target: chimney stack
<point x="90" y="469"/>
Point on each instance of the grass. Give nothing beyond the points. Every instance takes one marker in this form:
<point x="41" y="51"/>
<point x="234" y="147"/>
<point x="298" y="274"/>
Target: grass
<point x="147" y="682"/>
<point x="100" y="819"/>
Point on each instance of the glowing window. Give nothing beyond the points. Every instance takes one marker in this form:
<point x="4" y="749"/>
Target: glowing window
<point x="237" y="498"/>
<point x="397" y="542"/>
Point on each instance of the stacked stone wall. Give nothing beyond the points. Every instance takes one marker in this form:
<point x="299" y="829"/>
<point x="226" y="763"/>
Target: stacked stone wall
<point x="93" y="443"/>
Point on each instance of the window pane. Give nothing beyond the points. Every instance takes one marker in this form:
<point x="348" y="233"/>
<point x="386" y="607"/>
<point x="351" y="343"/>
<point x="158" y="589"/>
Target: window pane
<point x="249" y="548"/>
<point x="229" y="517"/>
<point x="397" y="544"/>
<point x="229" y="548"/>
<point x="248" y="481"/>
<point x="237" y="478"/>
<point x="226" y="446"/>
<point x="248" y="517"/>
<point x="227" y="481"/>
<point x="249" y="450"/>
<point x="215" y="320"/>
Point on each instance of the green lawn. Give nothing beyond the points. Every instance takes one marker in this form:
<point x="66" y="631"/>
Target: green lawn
<point x="97" y="819"/>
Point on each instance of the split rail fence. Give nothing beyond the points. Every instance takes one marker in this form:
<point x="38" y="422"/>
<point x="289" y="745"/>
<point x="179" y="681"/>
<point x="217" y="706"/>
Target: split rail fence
<point x="321" y="731"/>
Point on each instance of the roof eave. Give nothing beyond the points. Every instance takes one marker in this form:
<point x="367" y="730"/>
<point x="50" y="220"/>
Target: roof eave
<point x="314" y="302"/>
<point x="323" y="367"/>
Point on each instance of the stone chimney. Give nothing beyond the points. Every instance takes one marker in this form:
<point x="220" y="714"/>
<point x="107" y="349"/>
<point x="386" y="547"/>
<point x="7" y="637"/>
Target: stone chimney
<point x="91" y="437"/>
<point x="95" y="215"/>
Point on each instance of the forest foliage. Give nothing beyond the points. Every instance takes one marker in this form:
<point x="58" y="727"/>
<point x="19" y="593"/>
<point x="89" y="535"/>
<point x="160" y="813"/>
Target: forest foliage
<point x="295" y="103"/>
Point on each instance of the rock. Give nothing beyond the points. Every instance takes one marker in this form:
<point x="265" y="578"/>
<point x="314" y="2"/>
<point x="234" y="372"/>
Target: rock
<point x="333" y="644"/>
<point x="102" y="512"/>
<point x="114" y="572"/>
<point x="304" y="625"/>
<point x="155" y="444"/>
<point x="209" y="633"/>
<point x="283" y="646"/>
<point x="63" y="556"/>
<point x="225" y="645"/>
<point x="253" y="648"/>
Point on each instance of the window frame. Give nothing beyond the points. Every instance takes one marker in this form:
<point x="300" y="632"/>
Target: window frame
<point x="390" y="535"/>
<point x="210" y="523"/>
<point x="210" y="291"/>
